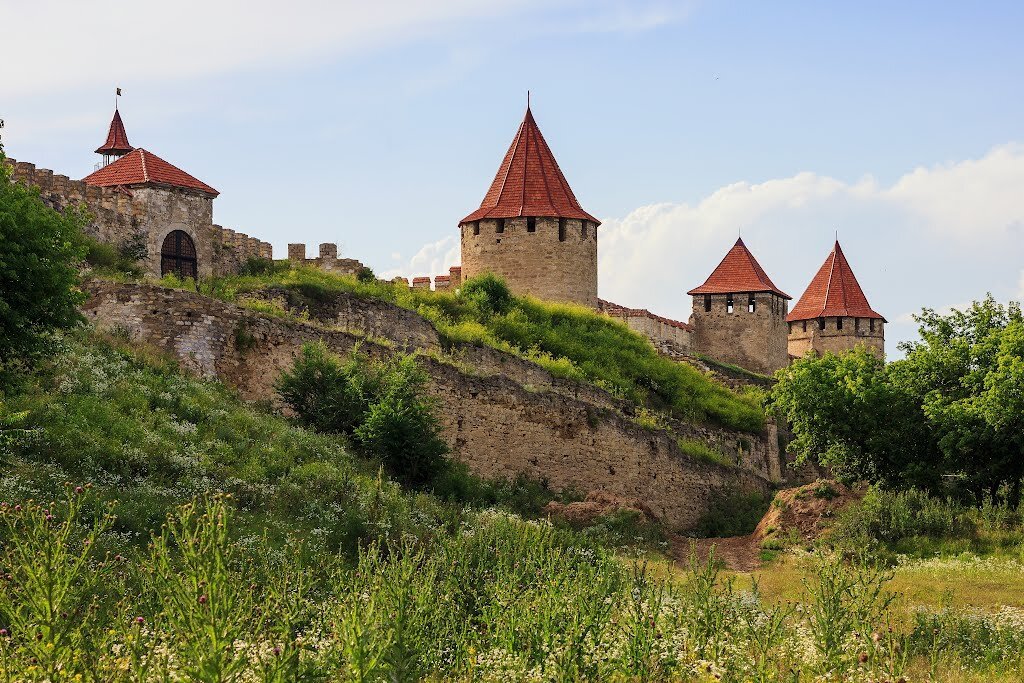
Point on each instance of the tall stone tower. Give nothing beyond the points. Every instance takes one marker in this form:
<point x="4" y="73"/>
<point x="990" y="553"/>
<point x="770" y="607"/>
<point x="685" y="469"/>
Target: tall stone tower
<point x="530" y="229"/>
<point x="833" y="315"/>
<point x="739" y="315"/>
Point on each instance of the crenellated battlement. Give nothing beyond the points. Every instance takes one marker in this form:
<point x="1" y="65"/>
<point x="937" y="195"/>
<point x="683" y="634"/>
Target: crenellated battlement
<point x="451" y="281"/>
<point x="327" y="260"/>
<point x="672" y="337"/>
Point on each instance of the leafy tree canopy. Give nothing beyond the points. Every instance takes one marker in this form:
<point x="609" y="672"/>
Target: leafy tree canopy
<point x="40" y="250"/>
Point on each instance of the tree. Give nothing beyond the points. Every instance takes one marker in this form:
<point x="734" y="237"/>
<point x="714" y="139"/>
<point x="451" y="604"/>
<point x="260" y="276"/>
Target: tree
<point x="967" y="372"/>
<point x="40" y="250"/>
<point x="848" y="416"/>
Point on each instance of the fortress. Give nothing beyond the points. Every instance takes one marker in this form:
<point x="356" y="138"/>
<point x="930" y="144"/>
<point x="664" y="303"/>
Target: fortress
<point x="530" y="229"/>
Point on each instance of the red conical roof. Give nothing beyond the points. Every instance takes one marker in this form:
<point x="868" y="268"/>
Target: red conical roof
<point x="738" y="272"/>
<point x="145" y="168"/>
<point x="834" y="292"/>
<point x="117" y="139"/>
<point x="529" y="182"/>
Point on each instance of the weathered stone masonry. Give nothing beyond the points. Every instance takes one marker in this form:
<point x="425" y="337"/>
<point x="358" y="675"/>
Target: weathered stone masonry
<point x="565" y="433"/>
<point x="149" y="214"/>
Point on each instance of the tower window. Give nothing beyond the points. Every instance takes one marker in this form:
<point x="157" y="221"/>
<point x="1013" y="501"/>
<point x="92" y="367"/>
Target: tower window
<point x="500" y="227"/>
<point x="583" y="229"/>
<point x="707" y="302"/>
<point x="751" y="304"/>
<point x="561" y="229"/>
<point x="531" y="224"/>
<point x="805" y="326"/>
<point x="790" y="325"/>
<point x="728" y="303"/>
<point x="856" y="324"/>
<point x="821" y="323"/>
<point x="872" y="323"/>
<point x="839" y="323"/>
<point x="476" y="227"/>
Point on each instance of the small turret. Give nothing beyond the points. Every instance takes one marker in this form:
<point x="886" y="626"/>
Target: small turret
<point x="117" y="144"/>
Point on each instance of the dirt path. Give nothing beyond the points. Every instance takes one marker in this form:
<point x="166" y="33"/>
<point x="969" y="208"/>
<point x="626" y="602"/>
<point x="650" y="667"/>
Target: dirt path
<point x="739" y="553"/>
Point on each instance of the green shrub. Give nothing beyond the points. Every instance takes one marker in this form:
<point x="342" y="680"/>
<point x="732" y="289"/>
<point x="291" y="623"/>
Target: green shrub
<point x="39" y="259"/>
<point x="400" y="427"/>
<point x="701" y="451"/>
<point x="328" y="394"/>
<point x="732" y="513"/>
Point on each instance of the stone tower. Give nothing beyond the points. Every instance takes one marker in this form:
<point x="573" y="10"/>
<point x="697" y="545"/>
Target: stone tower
<point x="833" y="314"/>
<point x="530" y="229"/>
<point x="739" y="315"/>
<point x="116" y="145"/>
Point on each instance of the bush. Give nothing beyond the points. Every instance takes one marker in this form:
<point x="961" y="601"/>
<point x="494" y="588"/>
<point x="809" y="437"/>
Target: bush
<point x="38" y="268"/>
<point x="328" y="394"/>
<point x="400" y="428"/>
<point x="732" y="513"/>
<point x="382" y="405"/>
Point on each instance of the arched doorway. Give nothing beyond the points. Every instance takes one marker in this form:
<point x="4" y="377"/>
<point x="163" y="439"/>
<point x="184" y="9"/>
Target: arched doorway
<point x="178" y="255"/>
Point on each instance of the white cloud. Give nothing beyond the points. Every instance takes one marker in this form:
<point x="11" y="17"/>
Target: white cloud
<point x="432" y="259"/>
<point x="105" y="41"/>
<point x="75" y="43"/>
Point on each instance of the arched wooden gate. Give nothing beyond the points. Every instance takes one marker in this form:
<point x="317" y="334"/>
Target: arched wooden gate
<point x="178" y="255"/>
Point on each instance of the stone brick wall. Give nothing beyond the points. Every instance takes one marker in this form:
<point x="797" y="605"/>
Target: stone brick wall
<point x="147" y="214"/>
<point x="535" y="263"/>
<point x="520" y="420"/>
<point x="671" y="337"/>
<point x="807" y="335"/>
<point x="755" y="341"/>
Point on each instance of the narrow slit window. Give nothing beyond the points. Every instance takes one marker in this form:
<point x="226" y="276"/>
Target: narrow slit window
<point x="476" y="227"/>
<point x="839" y="323"/>
<point x="561" y="229"/>
<point x="821" y="323"/>
<point x="500" y="227"/>
<point x="728" y="303"/>
<point x="805" y="326"/>
<point x="790" y="328"/>
<point x="707" y="302"/>
<point x="583" y="229"/>
<point x="751" y="304"/>
<point x="856" y="324"/>
<point x="872" y="324"/>
<point x="531" y="224"/>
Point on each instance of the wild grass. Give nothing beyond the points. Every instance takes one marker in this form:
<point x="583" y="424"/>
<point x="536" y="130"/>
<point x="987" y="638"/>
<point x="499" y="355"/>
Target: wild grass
<point x="567" y="340"/>
<point x="501" y="599"/>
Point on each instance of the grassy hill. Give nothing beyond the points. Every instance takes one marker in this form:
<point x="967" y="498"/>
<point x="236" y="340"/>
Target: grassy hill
<point x="242" y="547"/>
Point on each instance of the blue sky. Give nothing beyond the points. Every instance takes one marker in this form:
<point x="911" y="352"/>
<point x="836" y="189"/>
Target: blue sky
<point x="901" y="125"/>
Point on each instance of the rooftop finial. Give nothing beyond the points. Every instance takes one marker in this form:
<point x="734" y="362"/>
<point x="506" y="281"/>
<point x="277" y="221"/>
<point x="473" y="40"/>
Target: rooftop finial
<point x="527" y="100"/>
<point x="116" y="95"/>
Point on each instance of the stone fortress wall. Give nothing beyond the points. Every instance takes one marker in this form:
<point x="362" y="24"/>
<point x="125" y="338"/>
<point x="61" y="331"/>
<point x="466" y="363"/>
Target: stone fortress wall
<point x="671" y="337"/>
<point x="147" y="214"/>
<point x="503" y="416"/>
<point x="555" y="260"/>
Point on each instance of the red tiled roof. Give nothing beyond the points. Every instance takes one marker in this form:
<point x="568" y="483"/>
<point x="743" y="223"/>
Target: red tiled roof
<point x="140" y="167"/>
<point x="738" y="272"/>
<point x="529" y="182"/>
<point x="834" y="292"/>
<point x="117" y="139"/>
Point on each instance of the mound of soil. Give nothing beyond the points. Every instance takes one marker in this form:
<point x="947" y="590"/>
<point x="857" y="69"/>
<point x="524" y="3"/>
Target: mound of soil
<point x="597" y="504"/>
<point x="796" y="516"/>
